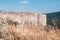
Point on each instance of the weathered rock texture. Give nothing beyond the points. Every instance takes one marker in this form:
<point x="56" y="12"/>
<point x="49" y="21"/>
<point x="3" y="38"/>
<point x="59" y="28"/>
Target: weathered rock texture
<point x="25" y="17"/>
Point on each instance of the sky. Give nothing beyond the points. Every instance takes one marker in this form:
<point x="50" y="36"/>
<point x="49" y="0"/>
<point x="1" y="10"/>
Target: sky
<point x="39" y="6"/>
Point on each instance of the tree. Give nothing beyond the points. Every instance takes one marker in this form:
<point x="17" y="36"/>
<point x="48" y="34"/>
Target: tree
<point x="56" y="22"/>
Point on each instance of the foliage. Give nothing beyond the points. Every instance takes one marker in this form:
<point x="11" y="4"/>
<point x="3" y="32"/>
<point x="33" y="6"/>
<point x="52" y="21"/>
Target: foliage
<point x="55" y="22"/>
<point x="30" y="33"/>
<point x="11" y="22"/>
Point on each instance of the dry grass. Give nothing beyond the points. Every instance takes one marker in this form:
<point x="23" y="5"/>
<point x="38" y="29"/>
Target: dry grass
<point x="11" y="32"/>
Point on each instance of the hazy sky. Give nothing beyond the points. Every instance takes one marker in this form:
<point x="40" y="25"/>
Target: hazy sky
<point x="39" y="6"/>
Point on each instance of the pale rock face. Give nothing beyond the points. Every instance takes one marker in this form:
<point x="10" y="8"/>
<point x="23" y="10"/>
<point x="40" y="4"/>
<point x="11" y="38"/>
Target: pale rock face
<point x="43" y="19"/>
<point x="23" y="18"/>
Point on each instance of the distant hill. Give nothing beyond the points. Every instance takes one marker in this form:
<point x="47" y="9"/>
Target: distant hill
<point x="53" y="15"/>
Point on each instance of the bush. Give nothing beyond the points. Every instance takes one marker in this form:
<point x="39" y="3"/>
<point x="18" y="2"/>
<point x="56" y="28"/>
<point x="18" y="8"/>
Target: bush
<point x="30" y="33"/>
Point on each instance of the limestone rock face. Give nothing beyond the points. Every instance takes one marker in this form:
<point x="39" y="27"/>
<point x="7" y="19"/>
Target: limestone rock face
<point x="25" y="17"/>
